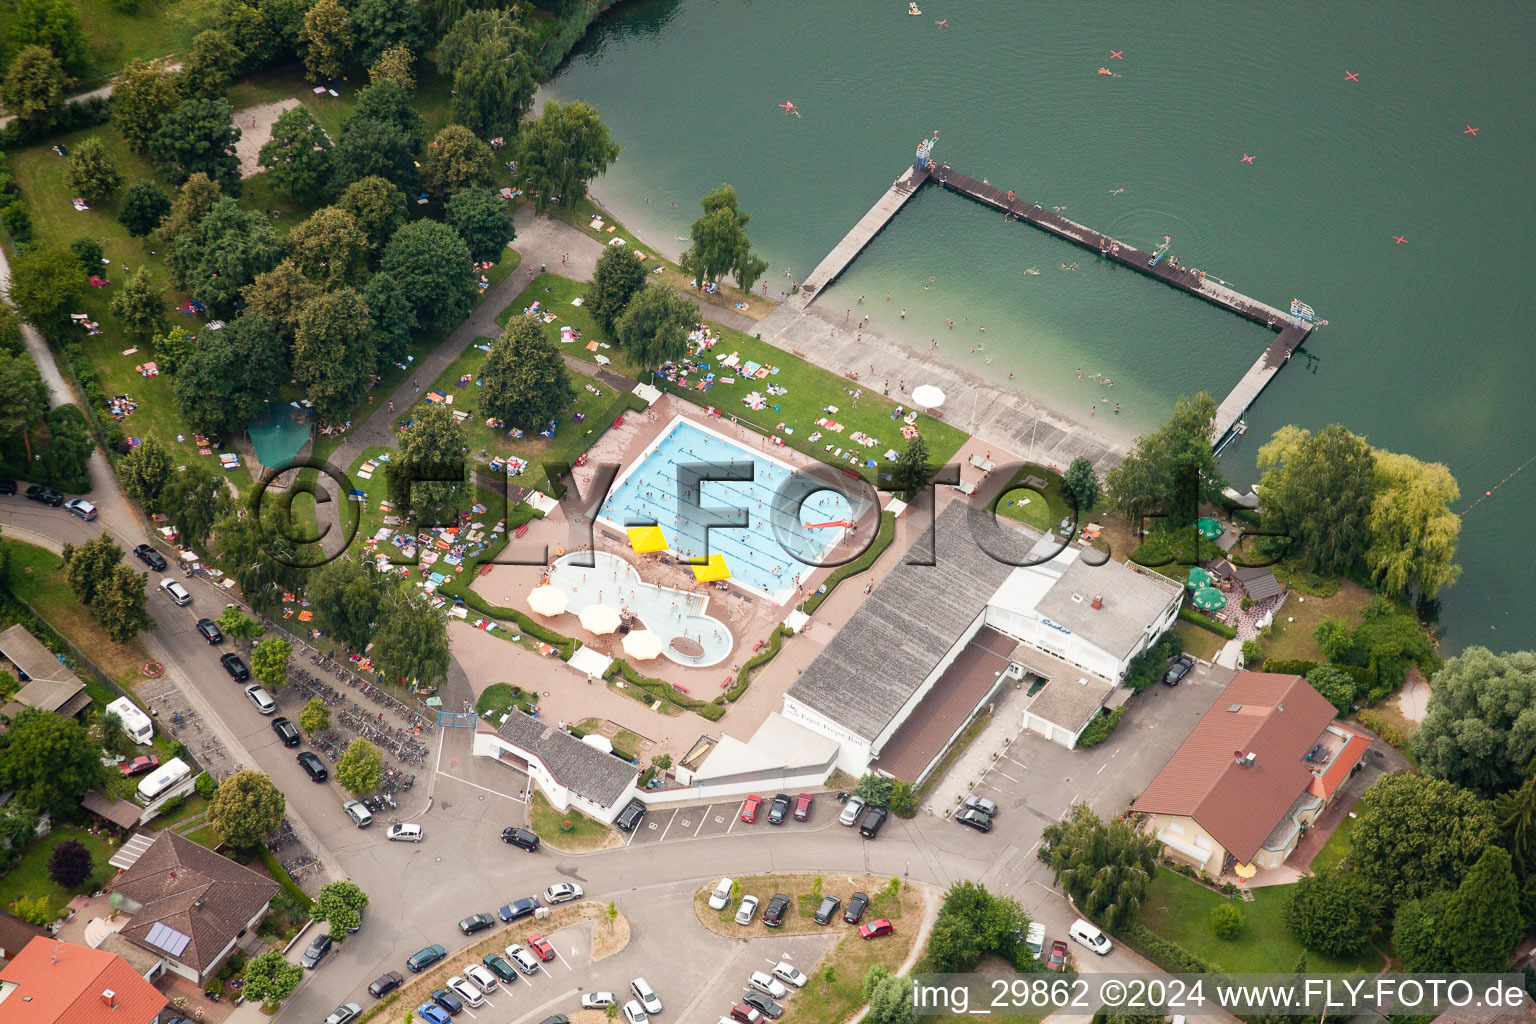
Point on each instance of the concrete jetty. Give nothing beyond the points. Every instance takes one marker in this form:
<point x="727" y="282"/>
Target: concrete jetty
<point x="869" y="225"/>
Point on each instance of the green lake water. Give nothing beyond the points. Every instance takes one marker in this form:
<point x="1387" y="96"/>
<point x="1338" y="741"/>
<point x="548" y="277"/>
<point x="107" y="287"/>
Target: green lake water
<point x="1427" y="351"/>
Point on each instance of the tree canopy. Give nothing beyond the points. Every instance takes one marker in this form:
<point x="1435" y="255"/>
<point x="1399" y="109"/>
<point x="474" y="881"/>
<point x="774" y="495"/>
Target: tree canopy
<point x="46" y="284"/>
<point x="211" y="65"/>
<point x="347" y="599"/>
<point x="1321" y="486"/>
<point x="524" y="380"/>
<point x="142" y="99"/>
<point x="333" y="353"/>
<point x="329" y="248"/>
<point x="247" y="808"/>
<point x="1413" y="530"/>
<point x="1416" y="835"/>
<point x="484" y="220"/>
<point x="1170" y="471"/>
<point x="87" y="566"/>
<point x="232" y="374"/>
<point x="144" y="206"/>
<point x="431" y="264"/>
<point x="1484" y="915"/>
<point x="971" y="922"/>
<point x="299" y="156"/>
<point x="271" y="978"/>
<point x="377" y="206"/>
<point x="1331" y="913"/>
<point x="140" y="305"/>
<point x="619" y="274"/>
<point x="49" y="761"/>
<point x="455" y="160"/>
<point x="53" y="24"/>
<point x="430" y="475"/>
<point x="411" y="643"/>
<point x="340" y="904"/>
<point x="23" y="400"/>
<point x="560" y="152"/>
<point x="35" y="84"/>
<point x="327" y="39"/>
<point x="279" y="294"/>
<point x="144" y="472"/>
<point x="1080" y="485"/>
<point x="92" y="170"/>
<point x="1105" y="868"/>
<point x="655" y="326"/>
<point x="198" y="136"/>
<point x="225" y="252"/>
<point x="1480" y="729"/>
<point x="360" y="767"/>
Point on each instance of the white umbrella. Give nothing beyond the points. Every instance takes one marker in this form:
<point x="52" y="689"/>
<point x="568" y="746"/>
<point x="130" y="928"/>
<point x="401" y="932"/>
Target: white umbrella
<point x="643" y="645"/>
<point x="547" y="600"/>
<point x="599" y="619"/>
<point x="927" y="396"/>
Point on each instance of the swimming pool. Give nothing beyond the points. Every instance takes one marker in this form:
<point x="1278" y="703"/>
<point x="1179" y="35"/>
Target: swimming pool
<point x="663" y="610"/>
<point x="771" y="554"/>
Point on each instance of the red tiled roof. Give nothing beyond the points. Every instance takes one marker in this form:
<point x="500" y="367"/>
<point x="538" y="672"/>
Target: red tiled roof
<point x="1277" y="718"/>
<point x="1342" y="764"/>
<point x="61" y="983"/>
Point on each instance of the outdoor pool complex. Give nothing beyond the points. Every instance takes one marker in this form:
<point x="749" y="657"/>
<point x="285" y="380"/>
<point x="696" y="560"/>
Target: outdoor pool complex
<point x="761" y="559"/>
<point x="663" y="610"/>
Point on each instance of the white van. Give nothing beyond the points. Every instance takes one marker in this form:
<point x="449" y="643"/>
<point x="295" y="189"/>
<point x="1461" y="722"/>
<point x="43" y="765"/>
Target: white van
<point x="163" y="778"/>
<point x="1090" y="936"/>
<point x="135" y="722"/>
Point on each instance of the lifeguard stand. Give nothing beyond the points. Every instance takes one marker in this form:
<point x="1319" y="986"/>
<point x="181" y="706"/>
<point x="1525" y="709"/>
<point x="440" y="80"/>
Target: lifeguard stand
<point x="925" y="153"/>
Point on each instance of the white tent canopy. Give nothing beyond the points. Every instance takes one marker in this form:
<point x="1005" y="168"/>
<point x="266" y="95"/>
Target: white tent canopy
<point x="927" y="396"/>
<point x="599" y="619"/>
<point x="547" y="600"/>
<point x="643" y="645"/>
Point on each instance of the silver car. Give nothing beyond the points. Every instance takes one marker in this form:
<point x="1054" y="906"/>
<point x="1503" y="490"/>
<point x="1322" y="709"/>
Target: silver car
<point x="344" y="1013"/>
<point x="851" y="811"/>
<point x="746" y="910"/>
<point x="562" y="892"/>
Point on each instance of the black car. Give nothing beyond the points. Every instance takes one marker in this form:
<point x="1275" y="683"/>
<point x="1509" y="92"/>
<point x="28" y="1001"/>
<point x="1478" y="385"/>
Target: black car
<point x="629" y="818"/>
<point x="780" y="809"/>
<point x="773" y="916"/>
<point x="760" y="1002"/>
<point x="1178" y="670"/>
<point x="311" y="763"/>
<point x="556" y="1018"/>
<point x="448" y="1001"/>
<point x="499" y="966"/>
<point x="521" y="837"/>
<point x="316" y="951"/>
<point x="857" y="904"/>
<point x="7" y="485"/>
<point x="974" y="818"/>
<point x="150" y="557"/>
<point x="869" y="828"/>
<point x="235" y="667"/>
<point x="476" y="923"/>
<point x="518" y="908"/>
<point x="46" y="495"/>
<point x="286" y="732"/>
<point x="385" y="984"/>
<point x="210" y="630"/>
<point x="827" y="909"/>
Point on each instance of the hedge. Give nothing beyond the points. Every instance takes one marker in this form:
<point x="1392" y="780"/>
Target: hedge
<point x="744" y="677"/>
<point x="665" y="691"/>
<point x="71" y="118"/>
<point x="877" y="547"/>
<point x="1293" y="667"/>
<point x="1100" y="728"/>
<point x="566" y="645"/>
<point x="1207" y="623"/>
<point x="281" y="876"/>
<point x="1170" y="956"/>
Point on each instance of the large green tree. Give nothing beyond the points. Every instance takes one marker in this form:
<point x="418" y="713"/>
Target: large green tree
<point x="347" y="598"/>
<point x="193" y="202"/>
<point x="1419" y="937"/>
<point x="198" y="136"/>
<point x="911" y="471"/>
<point x="327" y="39"/>
<point x="195" y="499"/>
<point x="456" y="159"/>
<point x="67" y="457"/>
<point x="619" y="274"/>
<point x="223" y="254"/>
<point x="333" y="353"/>
<point x="380" y="25"/>
<point x="329" y="248"/>
<point x="35" y="85"/>
<point x="87" y="566"/>
<point x="142" y="99"/>
<point x="396" y="64"/>
<point x="140" y="306"/>
<point x="260" y="558"/>
<point x="524" y="379"/>
<point x="377" y="206"/>
<point x="92" y="170"/>
<point x="1321" y="486"/>
<point x="269" y="661"/>
<point x="371" y="148"/>
<point x="1331" y="913"/>
<point x="411" y="643"/>
<point x="719" y="237"/>
<point x="211" y="65"/>
<point x="1170" y="471"/>
<point x="1417" y="835"/>
<point x="247" y="808"/>
<point x="271" y="978"/>
<point x="298" y="157"/>
<point x="360" y="767"/>
<point x="314" y="717"/>
<point x="484" y="220"/>
<point x="145" y="471"/>
<point x="429" y="476"/>
<point x="279" y="295"/>
<point x="390" y="313"/>
<point x="1413" y="530"/>
<point x="46" y="286"/>
<point x="972" y="922"/>
<point x="1484" y="915"/>
<point x="232" y="375"/>
<point x="1080" y="485"/>
<point x="144" y="206"/>
<point x="431" y="264"/>
<point x="655" y="326"/>
<point x="560" y="152"/>
<point x="23" y="400"/>
<point x="1105" y="868"/>
<point x="54" y="24"/>
<point x="340" y="904"/>
<point x="889" y="997"/>
<point x="488" y="55"/>
<point x="1480" y="729"/>
<point x="122" y="604"/>
<point x="49" y="761"/>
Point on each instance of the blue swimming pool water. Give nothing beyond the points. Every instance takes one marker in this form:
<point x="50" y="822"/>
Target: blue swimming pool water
<point x="761" y="558"/>
<point x="671" y="613"/>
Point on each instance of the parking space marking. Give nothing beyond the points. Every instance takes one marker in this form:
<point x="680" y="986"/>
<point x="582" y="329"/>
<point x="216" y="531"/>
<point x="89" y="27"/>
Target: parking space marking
<point x="1005" y="775"/>
<point x="561" y="958"/>
<point x="676" y="817"/>
<point x="668" y="827"/>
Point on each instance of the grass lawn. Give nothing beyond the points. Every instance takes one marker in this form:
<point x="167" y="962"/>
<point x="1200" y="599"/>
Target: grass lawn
<point x="1026" y="506"/>
<point x="624" y="741"/>
<point x="1179" y="910"/>
<point x="30" y="875"/>
<point x="1336" y="849"/>
<point x="1288" y="640"/>
<point x="498" y="699"/>
<point x="206" y="835"/>
<point x="584" y="836"/>
<point x="802" y="905"/>
<point x="113" y="37"/>
<point x="1202" y="643"/>
<point x="195" y="806"/>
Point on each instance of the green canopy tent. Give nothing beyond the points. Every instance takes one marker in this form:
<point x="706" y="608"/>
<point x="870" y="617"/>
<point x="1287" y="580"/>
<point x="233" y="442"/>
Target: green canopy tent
<point x="1209" y="528"/>
<point x="1209" y="599"/>
<point x="1198" y="578"/>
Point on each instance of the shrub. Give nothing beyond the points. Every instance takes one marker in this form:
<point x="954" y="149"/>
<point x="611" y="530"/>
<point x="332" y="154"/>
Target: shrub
<point x="1170" y="956"/>
<point x="1099" y="729"/>
<point x="206" y="786"/>
<point x="1253" y="653"/>
<point x="33" y="909"/>
<point x="1226" y="920"/>
<point x="1206" y="622"/>
<point x="70" y="864"/>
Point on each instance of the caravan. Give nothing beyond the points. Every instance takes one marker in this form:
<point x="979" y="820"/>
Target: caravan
<point x="135" y="722"/>
<point x="172" y="773"/>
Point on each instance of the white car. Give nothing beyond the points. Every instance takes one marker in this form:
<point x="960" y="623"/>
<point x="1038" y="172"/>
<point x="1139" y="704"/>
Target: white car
<point x="851" y="811"/>
<point x="766" y="983"/>
<point x="466" y="990"/>
<point x="788" y="972"/>
<point x="634" y="1013"/>
<point x="647" y="995"/>
<point x="526" y="961"/>
<point x="746" y="910"/>
<point x="405" y="832"/>
<point x="722" y="894"/>
<point x="1087" y="935"/>
<point x="82" y="508"/>
<point x="482" y="977"/>
<point x="1034" y="938"/>
<point x="561" y="892"/>
<point x="177" y="592"/>
<point x="597" y="1000"/>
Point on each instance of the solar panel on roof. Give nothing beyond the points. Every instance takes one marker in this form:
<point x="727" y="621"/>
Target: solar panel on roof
<point x="163" y="936"/>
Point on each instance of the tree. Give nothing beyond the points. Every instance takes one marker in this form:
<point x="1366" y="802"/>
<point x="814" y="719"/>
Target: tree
<point x="1484" y="915"/>
<point x="1331" y="913"/>
<point x="347" y="600"/>
<point x="89" y="252"/>
<point x="329" y="248"/>
<point x="391" y="103"/>
<point x="1170" y="471"/>
<point x="431" y="264"/>
<point x="524" y="380"/>
<point x="655" y="326"/>
<point x="972" y="922"/>
<point x="1419" y="936"/>
<point x="1480" y="729"/>
<point x="377" y="206"/>
<point x="620" y="273"/>
<point x="472" y="28"/>
<point x="327" y="39"/>
<point x="53" y="24"/>
<point x="1226" y="920"/>
<point x="46" y="286"/>
<point x="411" y="643"/>
<point x="315" y="717"/>
<point x="111" y="734"/>
<point x="874" y="790"/>
<point x="360" y="767"/>
<point x="35" y="85"/>
<point x="484" y="220"/>
<point x="198" y="136"/>
<point x="144" y="206"/>
<point x="211" y="65"/>
<point x="299" y="155"/>
<point x="70" y="864"/>
<point x="395" y="64"/>
<point x="749" y="269"/>
<point x="195" y="499"/>
<point x="92" y="171"/>
<point x="138" y="305"/>
<point x="371" y="148"/>
<point x="1321" y="485"/>
<point x="1105" y="868"/>
<point x="719" y="237"/>
<point x="269" y="661"/>
<point x="341" y="904"/>
<point x="889" y="997"/>
<point x="911" y="470"/>
<point x="232" y="375"/>
<point x="193" y="202"/>
<point x="1335" y="639"/>
<point x="429" y="475"/>
<point x="1416" y="835"/>
<point x="122" y="604"/>
<point x="23" y="399"/>
<point x="261" y="559"/>
<point x="247" y="808"/>
<point x="1080" y="485"/>
<point x="142" y="99"/>
<point x="270" y="978"/>
<point x="493" y="87"/>
<point x="11" y="340"/>
<point x="389" y="311"/>
<point x="333" y="353"/>
<point x="380" y="25"/>
<point x="279" y="295"/>
<point x="1413" y="530"/>
<point x="456" y="160"/>
<point x="227" y="250"/>
<point x="237" y="625"/>
<point x="68" y="455"/>
<point x="174" y="348"/>
<point x="88" y="565"/>
<point x="1335" y="684"/>
<point x="49" y="761"/>
<point x="562" y="151"/>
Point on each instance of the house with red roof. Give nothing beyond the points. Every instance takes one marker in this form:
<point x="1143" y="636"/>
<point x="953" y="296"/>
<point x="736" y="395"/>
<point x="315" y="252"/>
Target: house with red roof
<point x="53" y="982"/>
<point x="1252" y="776"/>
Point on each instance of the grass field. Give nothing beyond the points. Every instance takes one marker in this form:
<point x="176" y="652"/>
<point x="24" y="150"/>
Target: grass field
<point x="30" y="875"/>
<point x="1336" y="849"/>
<point x="585" y="835"/>
<point x="1027" y="507"/>
<point x="1291" y="636"/>
<point x="1202" y="643"/>
<point x="113" y="37"/>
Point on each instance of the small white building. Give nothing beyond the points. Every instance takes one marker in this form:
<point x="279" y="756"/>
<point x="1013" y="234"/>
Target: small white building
<point x="780" y="755"/>
<point x="569" y="772"/>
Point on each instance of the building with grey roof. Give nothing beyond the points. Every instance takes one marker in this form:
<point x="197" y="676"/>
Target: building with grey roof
<point x="49" y="683"/>
<point x="570" y="771"/>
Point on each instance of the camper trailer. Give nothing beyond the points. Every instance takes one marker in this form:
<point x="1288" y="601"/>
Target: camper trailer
<point x="167" y="776"/>
<point x="136" y="723"/>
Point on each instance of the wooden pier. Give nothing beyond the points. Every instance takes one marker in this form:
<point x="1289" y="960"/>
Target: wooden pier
<point x="854" y="241"/>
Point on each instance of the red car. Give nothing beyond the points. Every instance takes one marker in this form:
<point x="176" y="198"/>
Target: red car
<point x="875" y="929"/>
<point x="140" y="765"/>
<point x="541" y="946"/>
<point x="750" y="808"/>
<point x="1058" y="960"/>
<point x="803" y="807"/>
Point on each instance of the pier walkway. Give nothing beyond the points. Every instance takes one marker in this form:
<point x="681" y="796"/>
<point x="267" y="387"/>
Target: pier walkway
<point x="854" y="241"/>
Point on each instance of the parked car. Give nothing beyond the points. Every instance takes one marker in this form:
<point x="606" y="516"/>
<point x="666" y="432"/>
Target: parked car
<point x="803" y="807"/>
<point x="7" y="485"/>
<point x="562" y="892"/>
<point x="647" y="995"/>
<point x="526" y="961"/>
<point x="597" y="1000"/>
<point x="424" y="958"/>
<point x="1087" y="935"/>
<point x="237" y="669"/>
<point x="540" y="945"/>
<point x="46" y="495"/>
<point x="750" y="807"/>
<point x="315" y="952"/>
<point x="780" y="809"/>
<point x="385" y="983"/>
<point x="405" y="832"/>
<point x="433" y="1014"/>
<point x="1178" y="670"/>
<point x="974" y="818"/>
<point x="773" y="915"/>
<point x="857" y="904"/>
<point x="484" y="980"/>
<point x="721" y="897"/>
<point x="1034" y="938"/>
<point x="468" y="992"/>
<point x="344" y="1013"/>
<point x="762" y="1004"/>
<point x="150" y="557"/>
<point x="139" y="765"/>
<point x="258" y="695"/>
<point x="746" y="910"/>
<point x="1058" y="957"/>
<point x="827" y="909"/>
<point x="82" y="508"/>
<point x="789" y="974"/>
<point x="767" y="984"/>
<point x="634" y="1013"/>
<point x="522" y="837"/>
<point x="476" y="923"/>
<point x="518" y="908"/>
<point x="312" y="764"/>
<point x="869" y="828"/>
<point x="746" y="1013"/>
<point x="851" y="811"/>
<point x="448" y="1001"/>
<point x="360" y="815"/>
<point x="499" y="966"/>
<point x="556" y="1018"/>
<point x="287" y="732"/>
<point x="177" y="592"/>
<point x="629" y="818"/>
<point x="982" y="804"/>
<point x="876" y="928"/>
<point x="210" y="630"/>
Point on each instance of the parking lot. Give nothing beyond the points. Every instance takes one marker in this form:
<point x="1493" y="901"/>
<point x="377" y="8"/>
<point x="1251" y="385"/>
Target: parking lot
<point x="702" y="821"/>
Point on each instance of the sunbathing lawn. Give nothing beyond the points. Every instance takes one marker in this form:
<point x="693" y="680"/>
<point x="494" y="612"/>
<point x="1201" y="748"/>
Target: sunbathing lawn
<point x="113" y="37"/>
<point x="1201" y="643"/>
<point x="1179" y="910"/>
<point x="30" y="875"/>
<point x="1293" y="639"/>
<point x="1026" y="506"/>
